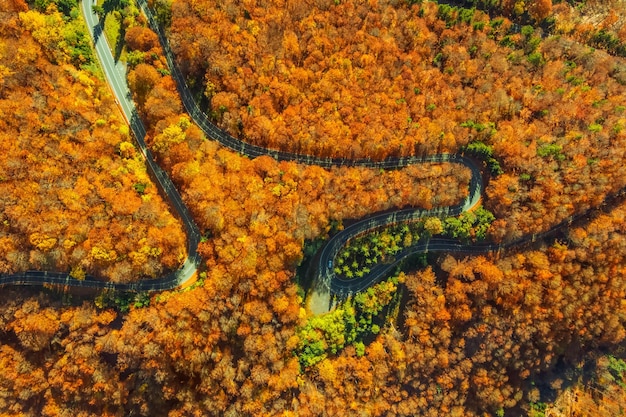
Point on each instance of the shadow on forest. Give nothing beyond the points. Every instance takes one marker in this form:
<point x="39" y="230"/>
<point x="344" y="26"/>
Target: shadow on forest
<point x="108" y="8"/>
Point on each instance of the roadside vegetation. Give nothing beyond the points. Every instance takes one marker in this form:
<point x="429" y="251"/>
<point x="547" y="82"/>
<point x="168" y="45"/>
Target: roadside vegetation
<point x="117" y="16"/>
<point x="360" y="254"/>
<point x="75" y="195"/>
<point x="354" y="323"/>
<point x="58" y="27"/>
<point x="472" y="336"/>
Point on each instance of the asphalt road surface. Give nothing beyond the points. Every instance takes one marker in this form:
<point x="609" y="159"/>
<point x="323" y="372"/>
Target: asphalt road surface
<point x="116" y="76"/>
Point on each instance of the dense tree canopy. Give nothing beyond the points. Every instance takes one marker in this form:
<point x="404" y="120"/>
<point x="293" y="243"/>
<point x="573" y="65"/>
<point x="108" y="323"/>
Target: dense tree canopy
<point x="363" y="79"/>
<point x="466" y="336"/>
<point x="75" y="195"/>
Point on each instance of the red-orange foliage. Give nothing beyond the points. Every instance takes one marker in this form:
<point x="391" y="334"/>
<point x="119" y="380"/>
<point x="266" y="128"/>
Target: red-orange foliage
<point x="141" y="39"/>
<point x="587" y="20"/>
<point x="465" y="348"/>
<point x="375" y="82"/>
<point x="68" y="172"/>
<point x="474" y="333"/>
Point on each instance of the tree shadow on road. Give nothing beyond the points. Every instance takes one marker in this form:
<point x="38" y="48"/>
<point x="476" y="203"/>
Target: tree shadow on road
<point x="112" y="9"/>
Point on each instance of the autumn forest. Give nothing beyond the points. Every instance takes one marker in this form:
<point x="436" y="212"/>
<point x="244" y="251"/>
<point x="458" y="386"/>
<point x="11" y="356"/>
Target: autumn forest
<point x="534" y="92"/>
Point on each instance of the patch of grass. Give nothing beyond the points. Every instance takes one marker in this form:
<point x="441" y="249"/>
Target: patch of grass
<point x="115" y="35"/>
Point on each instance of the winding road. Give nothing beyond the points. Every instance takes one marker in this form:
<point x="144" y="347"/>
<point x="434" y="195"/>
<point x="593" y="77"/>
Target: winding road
<point x="116" y="77"/>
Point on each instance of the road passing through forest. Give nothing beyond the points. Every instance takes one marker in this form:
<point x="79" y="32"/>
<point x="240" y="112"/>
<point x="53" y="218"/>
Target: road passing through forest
<point x="116" y="77"/>
<point x="115" y="73"/>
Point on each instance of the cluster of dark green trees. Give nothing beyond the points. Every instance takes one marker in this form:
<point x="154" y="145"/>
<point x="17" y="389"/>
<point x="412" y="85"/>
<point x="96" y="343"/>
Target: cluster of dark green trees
<point x="356" y="258"/>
